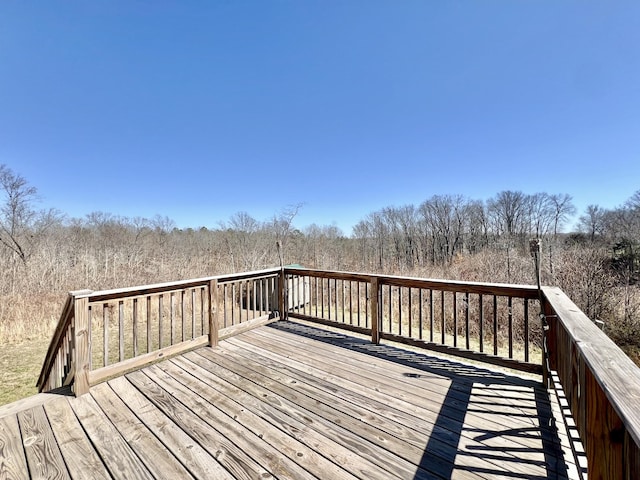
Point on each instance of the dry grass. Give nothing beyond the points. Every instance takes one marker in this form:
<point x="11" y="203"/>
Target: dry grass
<point x="20" y="365"/>
<point x="24" y="317"/>
<point x="26" y="327"/>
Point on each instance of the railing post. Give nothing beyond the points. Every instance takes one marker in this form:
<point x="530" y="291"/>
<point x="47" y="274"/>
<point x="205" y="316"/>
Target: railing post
<point x="375" y="311"/>
<point x="81" y="319"/>
<point x="282" y="295"/>
<point x="213" y="313"/>
<point x="549" y="359"/>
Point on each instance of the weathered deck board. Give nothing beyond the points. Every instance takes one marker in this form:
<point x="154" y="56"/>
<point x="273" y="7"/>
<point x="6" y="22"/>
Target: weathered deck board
<point x="348" y="379"/>
<point x="197" y="460"/>
<point x="119" y="458"/>
<point x="155" y="456"/>
<point x="77" y="451"/>
<point x="43" y="454"/>
<point x="13" y="463"/>
<point x="201" y="380"/>
<point x="291" y="401"/>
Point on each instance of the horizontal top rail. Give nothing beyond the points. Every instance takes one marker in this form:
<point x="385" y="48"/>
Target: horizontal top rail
<point x="615" y="372"/>
<point x="505" y="289"/>
<point x="104" y="295"/>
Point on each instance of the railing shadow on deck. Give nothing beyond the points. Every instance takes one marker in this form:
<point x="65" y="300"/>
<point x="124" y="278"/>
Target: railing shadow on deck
<point x="465" y="382"/>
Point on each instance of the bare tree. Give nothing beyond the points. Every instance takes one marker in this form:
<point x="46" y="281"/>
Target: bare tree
<point x="507" y="210"/>
<point x="540" y="212"/>
<point x="593" y="222"/>
<point x="563" y="209"/>
<point x="282" y="228"/>
<point x="19" y="220"/>
<point x="444" y="218"/>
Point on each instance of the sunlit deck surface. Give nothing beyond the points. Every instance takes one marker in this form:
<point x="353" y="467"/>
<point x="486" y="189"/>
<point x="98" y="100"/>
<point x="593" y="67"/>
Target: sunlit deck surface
<point x="293" y="401"/>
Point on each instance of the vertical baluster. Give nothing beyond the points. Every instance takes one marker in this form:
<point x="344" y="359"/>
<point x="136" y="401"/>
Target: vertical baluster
<point x="58" y="371"/>
<point x="510" y="317"/>
<point x="400" y="311"/>
<point x="233" y="303"/>
<point x="329" y="297"/>
<point x="316" y="295"/>
<point x="214" y="315"/>
<point x="121" y="330"/>
<point x="105" y="338"/>
<point x="172" y="317"/>
<point x="481" y="322"/>
<point x="359" y="303"/>
<point x="90" y="341"/>
<point x="160" y="315"/>
<point x="443" y="322"/>
<point x="183" y="313"/>
<point x="350" y="302"/>
<point x="389" y="299"/>
<point x="260" y="304"/>
<point x="343" y="300"/>
<point x="306" y="284"/>
<point x="420" y="314"/>
<point x="431" y="322"/>
<point x="135" y="327"/>
<point x="467" y="307"/>
<point x="335" y="290"/>
<point x="253" y="293"/>
<point x="367" y="292"/>
<point x="375" y="309"/>
<point x="202" y="308"/>
<point x="455" y="319"/>
<point x="148" y="323"/>
<point x="410" y="313"/>
<point x="193" y="313"/>
<point x="323" y="296"/>
<point x="526" y="330"/>
<point x="245" y="296"/>
<point x="63" y="353"/>
<point x="495" y="325"/>
<point x="224" y="305"/>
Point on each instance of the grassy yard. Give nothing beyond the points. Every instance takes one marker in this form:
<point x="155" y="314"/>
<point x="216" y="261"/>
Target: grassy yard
<point x="19" y="368"/>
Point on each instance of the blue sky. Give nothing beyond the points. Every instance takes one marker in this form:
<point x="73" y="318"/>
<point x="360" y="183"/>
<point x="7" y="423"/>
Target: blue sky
<point x="200" y="109"/>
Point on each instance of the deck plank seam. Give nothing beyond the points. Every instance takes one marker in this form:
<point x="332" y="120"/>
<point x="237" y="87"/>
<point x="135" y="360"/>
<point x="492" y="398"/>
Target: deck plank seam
<point x="356" y="402"/>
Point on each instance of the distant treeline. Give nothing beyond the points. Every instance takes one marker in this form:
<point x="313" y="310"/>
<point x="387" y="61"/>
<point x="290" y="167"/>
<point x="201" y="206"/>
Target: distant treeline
<point x="43" y="253"/>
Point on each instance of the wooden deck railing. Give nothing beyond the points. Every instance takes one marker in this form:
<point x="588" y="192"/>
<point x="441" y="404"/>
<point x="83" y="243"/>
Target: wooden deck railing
<point x="601" y="386"/>
<point x="499" y="324"/>
<point x="494" y="323"/>
<point x="104" y="333"/>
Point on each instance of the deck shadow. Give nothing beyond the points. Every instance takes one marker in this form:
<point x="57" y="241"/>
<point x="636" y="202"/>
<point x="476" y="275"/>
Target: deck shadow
<point x="465" y="381"/>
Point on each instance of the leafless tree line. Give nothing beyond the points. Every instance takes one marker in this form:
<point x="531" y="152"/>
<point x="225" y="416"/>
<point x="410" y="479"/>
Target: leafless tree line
<point x="44" y="254"/>
<point x="444" y="227"/>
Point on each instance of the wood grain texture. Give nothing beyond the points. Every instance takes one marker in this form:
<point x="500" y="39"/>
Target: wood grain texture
<point x="40" y="446"/>
<point x="82" y="349"/>
<point x="195" y="458"/>
<point x="104" y="373"/>
<point x="151" y="451"/>
<point x="117" y="455"/>
<point x="290" y="400"/>
<point x="234" y="406"/>
<point x="13" y="464"/>
<point x="239" y="463"/>
<point x="80" y="457"/>
<point x="601" y="383"/>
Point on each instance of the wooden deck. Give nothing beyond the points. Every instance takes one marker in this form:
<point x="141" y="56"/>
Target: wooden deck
<point x="292" y="401"/>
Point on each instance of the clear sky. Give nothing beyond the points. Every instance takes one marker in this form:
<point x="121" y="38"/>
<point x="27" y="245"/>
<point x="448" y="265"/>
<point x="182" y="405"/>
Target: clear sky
<point x="200" y="109"/>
